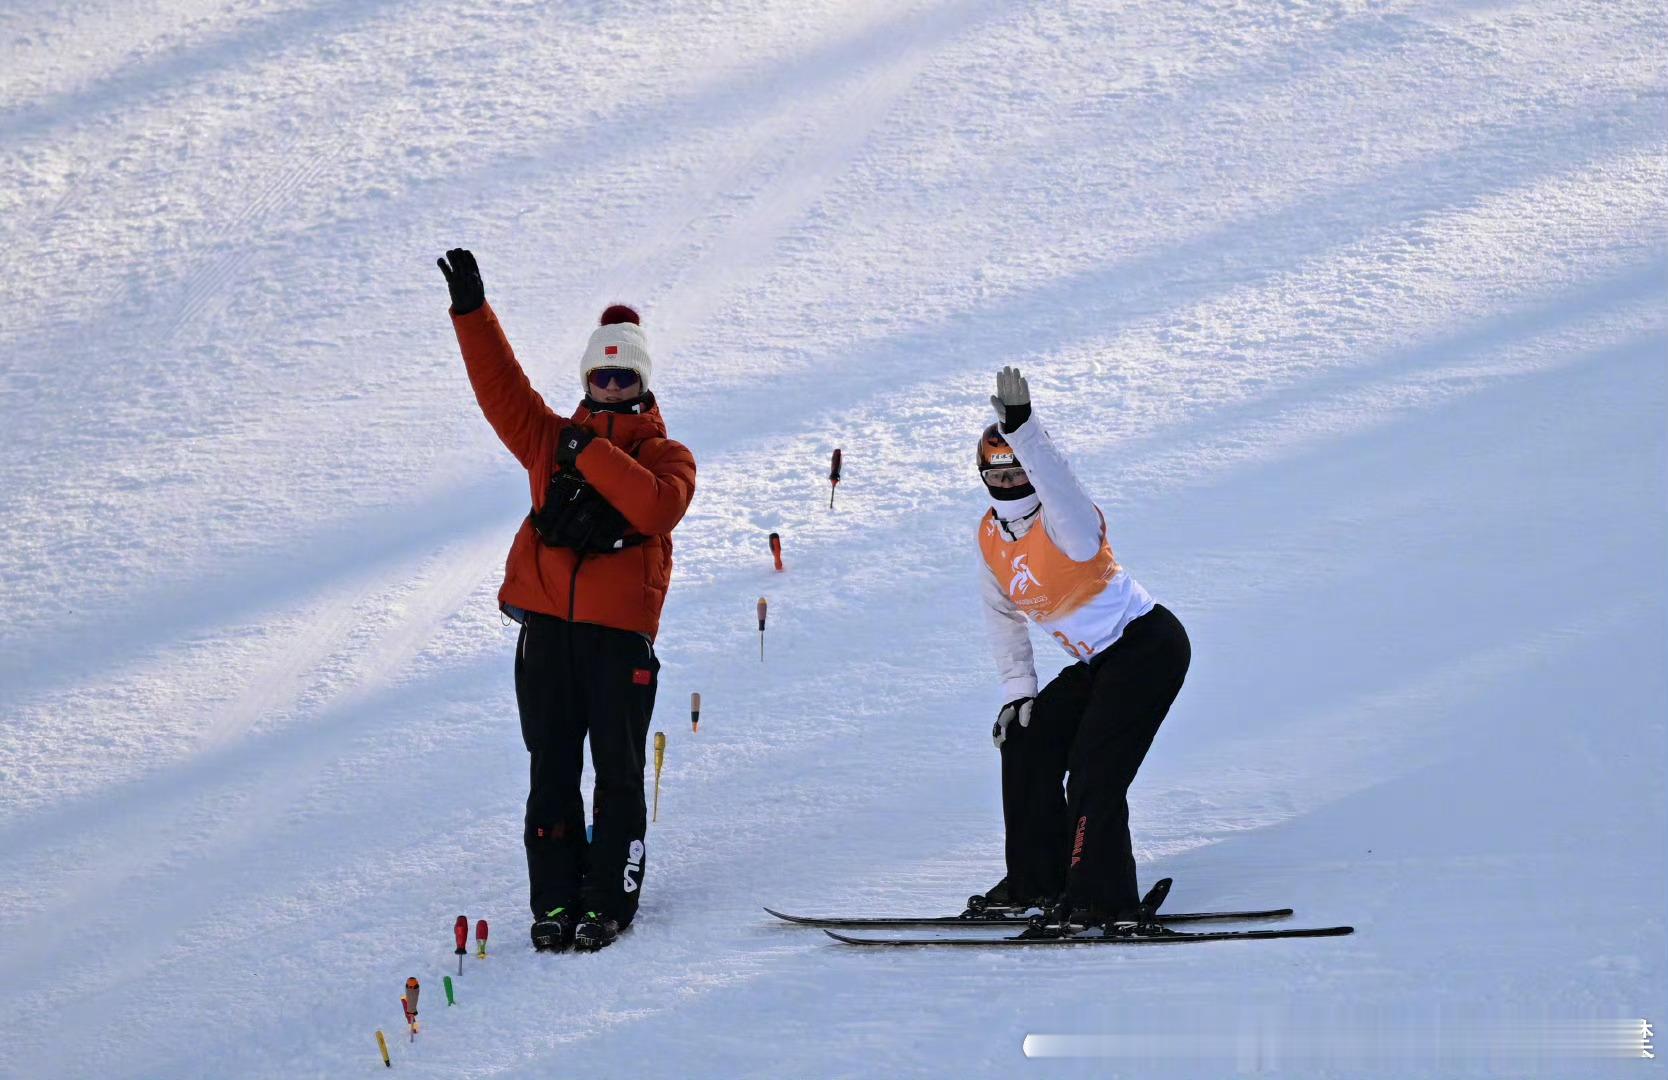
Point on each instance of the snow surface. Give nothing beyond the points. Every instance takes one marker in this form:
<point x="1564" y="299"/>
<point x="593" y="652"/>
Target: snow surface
<point x="1352" y="315"/>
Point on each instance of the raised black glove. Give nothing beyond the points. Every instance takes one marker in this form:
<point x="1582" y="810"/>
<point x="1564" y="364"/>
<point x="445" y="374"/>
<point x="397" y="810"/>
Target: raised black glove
<point x="463" y="277"/>
<point x="1017" y="709"/>
<point x="570" y="444"/>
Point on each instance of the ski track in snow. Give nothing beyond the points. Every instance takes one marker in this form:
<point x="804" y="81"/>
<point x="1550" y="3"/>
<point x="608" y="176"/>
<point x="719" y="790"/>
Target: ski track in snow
<point x="1350" y="314"/>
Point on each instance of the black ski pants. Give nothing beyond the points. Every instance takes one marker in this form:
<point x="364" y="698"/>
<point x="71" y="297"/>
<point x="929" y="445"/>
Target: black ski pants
<point x="574" y="680"/>
<point x="1093" y="723"/>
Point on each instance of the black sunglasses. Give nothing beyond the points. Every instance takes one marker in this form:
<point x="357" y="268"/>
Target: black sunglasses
<point x="618" y="377"/>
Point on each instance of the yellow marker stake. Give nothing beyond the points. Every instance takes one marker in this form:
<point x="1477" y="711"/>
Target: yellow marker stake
<point x="382" y="1044"/>
<point x="659" y="761"/>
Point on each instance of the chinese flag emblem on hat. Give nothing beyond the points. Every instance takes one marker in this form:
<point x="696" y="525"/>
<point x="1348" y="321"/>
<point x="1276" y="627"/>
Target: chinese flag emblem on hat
<point x="611" y="350"/>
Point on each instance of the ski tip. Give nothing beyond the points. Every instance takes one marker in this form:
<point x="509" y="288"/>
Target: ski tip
<point x="785" y="917"/>
<point x="846" y="939"/>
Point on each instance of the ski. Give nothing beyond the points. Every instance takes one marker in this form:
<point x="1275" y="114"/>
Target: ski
<point x="1000" y="920"/>
<point x="1170" y="937"/>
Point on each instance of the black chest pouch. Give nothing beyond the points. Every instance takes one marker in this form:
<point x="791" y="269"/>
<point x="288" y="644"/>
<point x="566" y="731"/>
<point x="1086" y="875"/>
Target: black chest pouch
<point x="576" y="516"/>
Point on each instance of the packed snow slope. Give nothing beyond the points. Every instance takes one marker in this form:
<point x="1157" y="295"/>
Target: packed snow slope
<point x="1352" y="315"/>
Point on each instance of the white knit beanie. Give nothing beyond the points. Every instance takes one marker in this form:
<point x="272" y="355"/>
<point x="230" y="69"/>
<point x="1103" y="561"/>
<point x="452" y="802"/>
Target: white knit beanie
<point x="621" y="345"/>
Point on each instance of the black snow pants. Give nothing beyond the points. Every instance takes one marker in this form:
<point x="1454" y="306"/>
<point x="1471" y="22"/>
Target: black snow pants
<point x="574" y="680"/>
<point x="1094" y="721"/>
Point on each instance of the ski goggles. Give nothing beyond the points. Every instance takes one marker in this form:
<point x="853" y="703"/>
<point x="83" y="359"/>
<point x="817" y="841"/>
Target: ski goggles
<point x="617" y="377"/>
<point x="1004" y="475"/>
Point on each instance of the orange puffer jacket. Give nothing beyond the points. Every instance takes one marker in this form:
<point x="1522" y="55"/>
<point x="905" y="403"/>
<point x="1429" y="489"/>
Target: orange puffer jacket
<point x="644" y="475"/>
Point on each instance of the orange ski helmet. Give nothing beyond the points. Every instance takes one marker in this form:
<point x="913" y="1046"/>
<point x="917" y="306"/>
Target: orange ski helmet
<point x="995" y="455"/>
<point x="994" y="451"/>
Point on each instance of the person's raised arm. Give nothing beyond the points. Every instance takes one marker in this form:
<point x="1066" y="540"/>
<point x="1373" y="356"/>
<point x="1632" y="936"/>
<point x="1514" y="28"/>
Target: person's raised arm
<point x="1070" y="516"/>
<point x="511" y="405"/>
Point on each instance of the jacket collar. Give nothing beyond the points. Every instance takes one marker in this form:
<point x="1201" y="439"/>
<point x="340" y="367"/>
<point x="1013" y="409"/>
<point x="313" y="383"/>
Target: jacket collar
<point x="623" y="429"/>
<point x="642" y="403"/>
<point x="1016" y="517"/>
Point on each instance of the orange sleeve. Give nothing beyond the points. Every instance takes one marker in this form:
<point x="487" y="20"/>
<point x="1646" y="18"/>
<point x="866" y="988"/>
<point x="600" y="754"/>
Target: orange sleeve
<point x="514" y="409"/>
<point x="653" y="494"/>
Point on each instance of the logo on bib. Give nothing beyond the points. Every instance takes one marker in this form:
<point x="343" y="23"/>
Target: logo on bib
<point x="1023" y="578"/>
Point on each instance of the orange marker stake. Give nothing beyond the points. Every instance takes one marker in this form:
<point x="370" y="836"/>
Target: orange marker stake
<point x="833" y="477"/>
<point x="480" y="939"/>
<point x="776" y="550"/>
<point x="761" y="628"/>
<point x="695" y="711"/>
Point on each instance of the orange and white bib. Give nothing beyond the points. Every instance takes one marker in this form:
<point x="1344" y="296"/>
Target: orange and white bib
<point x="1084" y="605"/>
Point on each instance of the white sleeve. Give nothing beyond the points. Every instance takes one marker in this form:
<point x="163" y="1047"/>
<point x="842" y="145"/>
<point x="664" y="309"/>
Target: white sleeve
<point x="1069" y="515"/>
<point x="1010" y="638"/>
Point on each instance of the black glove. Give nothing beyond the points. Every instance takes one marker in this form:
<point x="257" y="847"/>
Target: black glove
<point x="570" y="444"/>
<point x="463" y="277"/>
<point x="1017" y="709"/>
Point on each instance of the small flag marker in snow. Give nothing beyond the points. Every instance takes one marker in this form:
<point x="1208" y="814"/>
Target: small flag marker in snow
<point x="695" y="711"/>
<point x="382" y="1044"/>
<point x="450" y="999"/>
<point x="480" y="939"/>
<point x="762" y="608"/>
<point x="833" y="477"/>
<point x="776" y="550"/>
<point x="659" y="762"/>
<point x="460" y="934"/>
<point x="409" y="1001"/>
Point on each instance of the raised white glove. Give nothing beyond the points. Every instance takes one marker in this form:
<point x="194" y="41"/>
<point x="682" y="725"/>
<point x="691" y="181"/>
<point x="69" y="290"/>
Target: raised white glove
<point x="1017" y="709"/>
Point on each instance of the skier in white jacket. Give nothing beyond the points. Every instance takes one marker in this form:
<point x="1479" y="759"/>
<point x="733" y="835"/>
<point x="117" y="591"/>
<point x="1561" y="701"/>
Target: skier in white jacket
<point x="1048" y="560"/>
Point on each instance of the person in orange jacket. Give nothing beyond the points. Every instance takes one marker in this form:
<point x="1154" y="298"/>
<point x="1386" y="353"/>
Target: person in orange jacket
<point x="586" y="577"/>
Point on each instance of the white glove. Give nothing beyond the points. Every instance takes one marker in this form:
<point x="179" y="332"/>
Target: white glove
<point x="1017" y="709"/>
<point x="1012" y="400"/>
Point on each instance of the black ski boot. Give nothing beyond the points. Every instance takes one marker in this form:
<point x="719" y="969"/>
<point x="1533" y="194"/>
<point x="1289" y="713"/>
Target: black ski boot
<point x="595" y="932"/>
<point x="1057" y="920"/>
<point x="553" y="931"/>
<point x="1063" y="920"/>
<point x="983" y="903"/>
<point x="1001" y="903"/>
<point x="1139" y="921"/>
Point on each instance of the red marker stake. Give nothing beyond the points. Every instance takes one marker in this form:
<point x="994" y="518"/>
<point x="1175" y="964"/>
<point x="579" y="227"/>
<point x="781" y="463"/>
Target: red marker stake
<point x="480" y="939"/>
<point x="695" y="711"/>
<point x="460" y="932"/>
<point x="833" y="477"/>
<point x="761" y="628"/>
<point x="776" y="550"/>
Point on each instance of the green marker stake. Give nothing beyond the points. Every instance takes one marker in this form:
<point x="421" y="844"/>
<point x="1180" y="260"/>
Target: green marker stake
<point x="450" y="1000"/>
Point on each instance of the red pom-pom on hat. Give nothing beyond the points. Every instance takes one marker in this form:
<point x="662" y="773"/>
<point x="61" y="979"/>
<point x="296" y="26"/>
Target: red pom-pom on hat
<point x="618" y="313"/>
